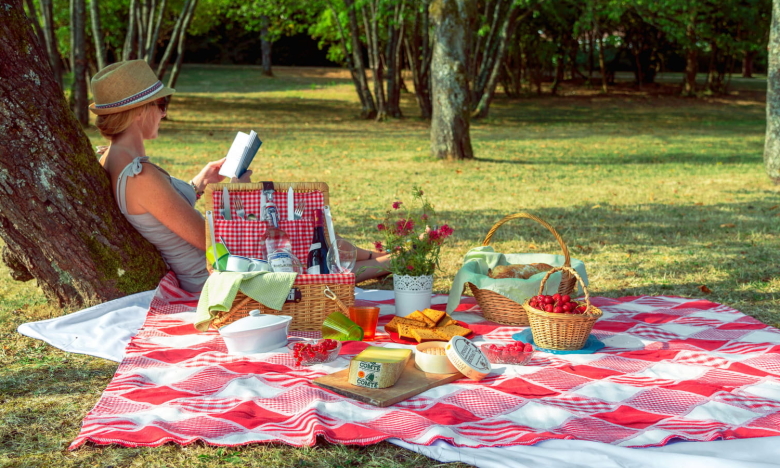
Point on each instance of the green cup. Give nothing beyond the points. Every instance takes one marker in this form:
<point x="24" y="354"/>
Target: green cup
<point x="338" y="327"/>
<point x="222" y="256"/>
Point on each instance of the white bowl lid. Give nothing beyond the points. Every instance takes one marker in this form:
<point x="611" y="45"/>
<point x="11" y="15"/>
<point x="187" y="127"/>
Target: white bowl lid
<point x="255" y="321"/>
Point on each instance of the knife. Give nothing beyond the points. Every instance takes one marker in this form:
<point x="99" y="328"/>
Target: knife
<point x="290" y="204"/>
<point x="226" y="204"/>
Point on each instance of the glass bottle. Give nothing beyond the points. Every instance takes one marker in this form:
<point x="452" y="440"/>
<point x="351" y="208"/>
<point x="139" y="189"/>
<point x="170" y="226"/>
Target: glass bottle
<point x="276" y="244"/>
<point x="315" y="262"/>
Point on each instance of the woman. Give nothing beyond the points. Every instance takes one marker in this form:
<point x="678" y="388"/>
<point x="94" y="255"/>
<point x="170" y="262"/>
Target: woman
<point x="130" y="102"/>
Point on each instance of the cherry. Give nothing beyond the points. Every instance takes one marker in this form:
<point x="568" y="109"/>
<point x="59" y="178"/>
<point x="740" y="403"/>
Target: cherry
<point x="558" y="309"/>
<point x="565" y="298"/>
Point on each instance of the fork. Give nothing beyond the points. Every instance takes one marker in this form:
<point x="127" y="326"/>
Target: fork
<point x="299" y="207"/>
<point x="238" y="205"/>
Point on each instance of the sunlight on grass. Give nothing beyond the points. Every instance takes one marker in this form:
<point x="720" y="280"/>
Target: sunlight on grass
<point x="658" y="195"/>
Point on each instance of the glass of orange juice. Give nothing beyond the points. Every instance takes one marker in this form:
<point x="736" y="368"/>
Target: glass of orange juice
<point x="366" y="318"/>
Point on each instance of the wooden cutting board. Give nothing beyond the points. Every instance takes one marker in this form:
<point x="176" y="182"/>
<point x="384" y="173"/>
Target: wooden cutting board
<point x="412" y="382"/>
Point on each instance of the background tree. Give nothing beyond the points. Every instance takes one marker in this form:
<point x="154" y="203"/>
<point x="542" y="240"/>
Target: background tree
<point x="450" y="138"/>
<point x="57" y="215"/>
<point x="772" y="144"/>
<point x="78" y="61"/>
<point x="419" y="51"/>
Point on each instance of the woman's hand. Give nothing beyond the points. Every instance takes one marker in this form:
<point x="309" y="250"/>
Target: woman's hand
<point x="209" y="175"/>
<point x="245" y="178"/>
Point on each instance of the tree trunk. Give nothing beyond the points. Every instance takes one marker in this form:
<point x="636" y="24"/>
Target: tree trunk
<point x="395" y="34"/>
<point x="772" y="144"/>
<point x="371" y="25"/>
<point x="163" y="65"/>
<point x="151" y="50"/>
<point x="97" y="34"/>
<point x="450" y="138"/>
<point x="602" y="62"/>
<point x="747" y="63"/>
<point x="691" y="66"/>
<point x="55" y="60"/>
<point x="265" y="48"/>
<point x="559" y="68"/>
<point x="78" y="46"/>
<point x="32" y="13"/>
<point x="358" y="76"/>
<point x="369" y="107"/>
<point x="488" y="92"/>
<point x="129" y="47"/>
<point x="418" y="54"/>
<point x="57" y="214"/>
<point x="182" y="38"/>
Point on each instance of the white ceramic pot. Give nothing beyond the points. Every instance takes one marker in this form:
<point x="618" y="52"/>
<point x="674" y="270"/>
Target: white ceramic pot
<point x="412" y="293"/>
<point x="256" y="333"/>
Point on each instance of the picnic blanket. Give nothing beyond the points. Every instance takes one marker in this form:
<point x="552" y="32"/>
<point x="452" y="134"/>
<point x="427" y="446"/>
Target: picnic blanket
<point x="673" y="369"/>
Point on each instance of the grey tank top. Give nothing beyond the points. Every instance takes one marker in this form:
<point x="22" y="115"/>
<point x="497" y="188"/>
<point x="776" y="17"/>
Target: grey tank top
<point x="186" y="260"/>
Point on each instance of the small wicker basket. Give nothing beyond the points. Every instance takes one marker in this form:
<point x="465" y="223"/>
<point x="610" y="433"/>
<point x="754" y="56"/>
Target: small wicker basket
<point x="501" y="309"/>
<point x="567" y="332"/>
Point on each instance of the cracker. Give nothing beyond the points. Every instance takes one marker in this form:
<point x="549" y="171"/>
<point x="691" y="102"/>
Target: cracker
<point x="434" y="315"/>
<point x="451" y="330"/>
<point x="417" y="315"/>
<point x="406" y="331"/>
<point x="425" y="334"/>
<point x="393" y="324"/>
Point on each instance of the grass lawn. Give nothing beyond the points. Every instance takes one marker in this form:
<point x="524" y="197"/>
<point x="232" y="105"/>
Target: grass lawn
<point x="657" y="194"/>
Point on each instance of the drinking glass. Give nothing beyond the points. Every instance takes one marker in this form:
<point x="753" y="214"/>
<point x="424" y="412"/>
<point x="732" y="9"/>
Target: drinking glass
<point x="346" y="258"/>
<point x="366" y="318"/>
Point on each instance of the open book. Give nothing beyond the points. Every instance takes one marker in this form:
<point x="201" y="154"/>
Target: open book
<point x="240" y="155"/>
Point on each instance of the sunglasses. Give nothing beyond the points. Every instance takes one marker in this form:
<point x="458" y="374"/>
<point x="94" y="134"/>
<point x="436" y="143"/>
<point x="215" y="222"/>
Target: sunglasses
<point x="162" y="104"/>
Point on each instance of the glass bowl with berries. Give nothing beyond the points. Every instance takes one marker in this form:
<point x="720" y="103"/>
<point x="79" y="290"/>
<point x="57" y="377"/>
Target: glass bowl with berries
<point x="307" y="353"/>
<point x="517" y="353"/>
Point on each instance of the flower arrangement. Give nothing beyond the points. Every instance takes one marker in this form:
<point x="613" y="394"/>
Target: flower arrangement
<point x="408" y="235"/>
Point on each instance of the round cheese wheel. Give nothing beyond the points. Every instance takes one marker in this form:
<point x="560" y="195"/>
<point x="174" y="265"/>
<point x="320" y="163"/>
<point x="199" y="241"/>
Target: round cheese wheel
<point x="467" y="358"/>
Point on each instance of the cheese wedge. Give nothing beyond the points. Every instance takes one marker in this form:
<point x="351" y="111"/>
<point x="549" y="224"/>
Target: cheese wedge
<point x="377" y="367"/>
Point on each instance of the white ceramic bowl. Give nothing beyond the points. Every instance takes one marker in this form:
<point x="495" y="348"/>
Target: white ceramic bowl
<point x="256" y="333"/>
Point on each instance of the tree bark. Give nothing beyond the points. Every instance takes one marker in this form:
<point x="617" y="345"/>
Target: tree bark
<point x="367" y="100"/>
<point x="691" y="66"/>
<point x="32" y="13"/>
<point x="151" y="50"/>
<point x="97" y="34"/>
<point x="772" y="143"/>
<point x="265" y="48"/>
<point x="55" y="60"/>
<point x="602" y="62"/>
<point x="57" y="213"/>
<point x="450" y="138"/>
<point x="78" y="45"/>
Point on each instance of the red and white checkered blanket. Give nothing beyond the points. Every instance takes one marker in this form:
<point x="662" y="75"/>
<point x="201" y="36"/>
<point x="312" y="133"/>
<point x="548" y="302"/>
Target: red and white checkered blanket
<point x="673" y="368"/>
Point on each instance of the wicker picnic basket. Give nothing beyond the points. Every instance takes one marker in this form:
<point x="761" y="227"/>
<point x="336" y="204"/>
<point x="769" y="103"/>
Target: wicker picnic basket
<point x="501" y="309"/>
<point x="562" y="331"/>
<point x="309" y="302"/>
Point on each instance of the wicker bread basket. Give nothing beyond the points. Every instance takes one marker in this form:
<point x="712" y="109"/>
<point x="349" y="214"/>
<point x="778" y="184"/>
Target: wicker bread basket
<point x="311" y="295"/>
<point x="567" y="332"/>
<point x="501" y="309"/>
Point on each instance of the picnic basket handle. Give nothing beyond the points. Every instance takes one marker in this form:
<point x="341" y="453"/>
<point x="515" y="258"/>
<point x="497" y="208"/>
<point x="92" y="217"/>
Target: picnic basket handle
<point x="576" y="277"/>
<point x="567" y="281"/>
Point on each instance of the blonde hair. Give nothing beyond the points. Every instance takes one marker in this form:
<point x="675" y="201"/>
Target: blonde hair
<point x="112" y="125"/>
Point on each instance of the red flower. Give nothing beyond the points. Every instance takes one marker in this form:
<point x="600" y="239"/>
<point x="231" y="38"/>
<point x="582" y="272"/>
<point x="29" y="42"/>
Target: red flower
<point x="381" y="227"/>
<point x="424" y="217"/>
<point x="378" y="246"/>
<point x="397" y="205"/>
<point x="446" y="230"/>
<point x="409" y="267"/>
<point x="404" y="226"/>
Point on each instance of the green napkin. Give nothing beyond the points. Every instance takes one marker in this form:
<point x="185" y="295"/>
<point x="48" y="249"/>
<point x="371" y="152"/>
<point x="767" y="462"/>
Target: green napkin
<point x="479" y="260"/>
<point x="219" y="292"/>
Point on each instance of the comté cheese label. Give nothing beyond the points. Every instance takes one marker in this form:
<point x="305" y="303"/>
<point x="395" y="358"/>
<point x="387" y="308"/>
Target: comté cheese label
<point x="377" y="367"/>
<point x="467" y="358"/>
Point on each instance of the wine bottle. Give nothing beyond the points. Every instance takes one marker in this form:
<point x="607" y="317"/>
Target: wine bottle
<point x="318" y="251"/>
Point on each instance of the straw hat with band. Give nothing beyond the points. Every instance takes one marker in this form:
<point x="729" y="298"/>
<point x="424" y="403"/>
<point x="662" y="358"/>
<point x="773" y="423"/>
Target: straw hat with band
<point x="123" y="86"/>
